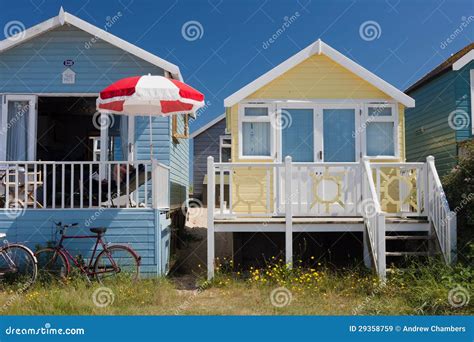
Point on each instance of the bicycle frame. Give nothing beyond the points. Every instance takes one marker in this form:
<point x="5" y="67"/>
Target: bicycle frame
<point x="86" y="269"/>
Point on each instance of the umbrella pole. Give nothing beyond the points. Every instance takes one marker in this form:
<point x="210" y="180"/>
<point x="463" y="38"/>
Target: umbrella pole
<point x="151" y="140"/>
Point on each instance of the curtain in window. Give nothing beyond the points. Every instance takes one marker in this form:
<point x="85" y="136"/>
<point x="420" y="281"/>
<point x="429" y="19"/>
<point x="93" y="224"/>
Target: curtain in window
<point x="256" y="138"/>
<point x="298" y="135"/>
<point x="17" y="130"/>
<point x="124" y="136"/>
<point x="380" y="139"/>
<point x="339" y="135"/>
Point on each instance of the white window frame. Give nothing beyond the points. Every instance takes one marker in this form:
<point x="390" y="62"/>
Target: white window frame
<point x="224" y="145"/>
<point x="316" y="126"/>
<point x="32" y="119"/>
<point x="393" y="118"/>
<point x="270" y="119"/>
<point x="472" y="101"/>
<point x="320" y="122"/>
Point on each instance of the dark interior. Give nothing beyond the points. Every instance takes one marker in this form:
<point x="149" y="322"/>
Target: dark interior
<point x="64" y="127"/>
<point x="331" y="249"/>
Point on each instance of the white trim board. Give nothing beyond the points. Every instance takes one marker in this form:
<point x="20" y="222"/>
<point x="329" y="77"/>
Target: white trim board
<point x="461" y="62"/>
<point x="207" y="126"/>
<point x="65" y="17"/>
<point x="319" y="47"/>
<point x="471" y="79"/>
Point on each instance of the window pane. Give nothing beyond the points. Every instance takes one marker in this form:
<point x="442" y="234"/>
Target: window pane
<point x="380" y="111"/>
<point x="225" y="154"/>
<point x="256" y="138"/>
<point x="17" y="130"/>
<point x="256" y="111"/>
<point x="380" y="139"/>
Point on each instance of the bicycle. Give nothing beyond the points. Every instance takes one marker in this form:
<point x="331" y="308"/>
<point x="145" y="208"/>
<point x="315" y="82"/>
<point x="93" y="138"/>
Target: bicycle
<point x="113" y="261"/>
<point x="18" y="264"/>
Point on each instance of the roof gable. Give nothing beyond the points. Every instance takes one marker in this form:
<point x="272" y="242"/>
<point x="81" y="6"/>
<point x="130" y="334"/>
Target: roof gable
<point x="207" y="126"/>
<point x="65" y="17"/>
<point x="319" y="48"/>
<point x="454" y="62"/>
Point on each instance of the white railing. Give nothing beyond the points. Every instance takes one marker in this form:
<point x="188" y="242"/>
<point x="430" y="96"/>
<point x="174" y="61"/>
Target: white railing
<point x="400" y="188"/>
<point x="441" y="217"/>
<point x="374" y="218"/>
<point x="66" y="185"/>
<point x="317" y="189"/>
<point x="260" y="189"/>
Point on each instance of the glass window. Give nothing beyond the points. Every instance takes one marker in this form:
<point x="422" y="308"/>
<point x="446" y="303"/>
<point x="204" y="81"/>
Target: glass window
<point x="256" y="138"/>
<point x="380" y="111"/>
<point x="380" y="139"/>
<point x="256" y="111"/>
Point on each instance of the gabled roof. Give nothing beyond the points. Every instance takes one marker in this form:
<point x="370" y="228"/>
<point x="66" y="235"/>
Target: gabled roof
<point x="455" y="62"/>
<point x="65" y="17"/>
<point x="319" y="48"/>
<point x="207" y="126"/>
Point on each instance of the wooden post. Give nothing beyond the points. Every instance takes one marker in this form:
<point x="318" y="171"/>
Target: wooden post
<point x="104" y="135"/>
<point x="453" y="238"/>
<point x="381" y="240"/>
<point x="288" y="214"/>
<point x="210" y="217"/>
<point x="366" y="243"/>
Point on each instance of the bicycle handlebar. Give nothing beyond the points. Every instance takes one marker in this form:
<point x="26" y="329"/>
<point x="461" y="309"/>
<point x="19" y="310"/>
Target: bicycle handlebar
<point x="61" y="226"/>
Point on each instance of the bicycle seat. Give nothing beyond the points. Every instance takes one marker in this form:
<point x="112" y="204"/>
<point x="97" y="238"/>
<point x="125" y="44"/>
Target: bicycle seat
<point x="3" y="235"/>
<point x="98" y="230"/>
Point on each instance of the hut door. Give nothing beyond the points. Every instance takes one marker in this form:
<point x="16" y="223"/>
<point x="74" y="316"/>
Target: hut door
<point x="339" y="136"/>
<point x="18" y="127"/>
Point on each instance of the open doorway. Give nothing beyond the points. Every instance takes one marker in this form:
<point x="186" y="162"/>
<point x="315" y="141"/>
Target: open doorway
<point x="69" y="129"/>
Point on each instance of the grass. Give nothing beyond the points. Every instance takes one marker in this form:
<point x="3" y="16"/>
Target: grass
<point x="318" y="291"/>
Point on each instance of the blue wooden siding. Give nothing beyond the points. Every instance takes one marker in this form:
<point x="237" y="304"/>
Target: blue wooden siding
<point x="36" y="66"/>
<point x="427" y="128"/>
<point x="463" y="98"/>
<point x="136" y="227"/>
<point x="205" y="144"/>
<point x="179" y="163"/>
<point x="160" y="138"/>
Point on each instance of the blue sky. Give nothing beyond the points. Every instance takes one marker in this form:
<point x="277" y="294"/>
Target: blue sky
<point x="410" y="36"/>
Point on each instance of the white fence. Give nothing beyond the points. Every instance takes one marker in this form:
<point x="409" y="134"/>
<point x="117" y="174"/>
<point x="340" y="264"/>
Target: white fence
<point x="66" y="185"/>
<point x="317" y="189"/>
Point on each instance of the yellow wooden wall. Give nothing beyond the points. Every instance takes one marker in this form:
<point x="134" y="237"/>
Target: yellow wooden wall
<point x="318" y="77"/>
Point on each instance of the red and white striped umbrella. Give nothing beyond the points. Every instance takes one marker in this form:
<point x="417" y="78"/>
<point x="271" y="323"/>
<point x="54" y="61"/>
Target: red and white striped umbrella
<point x="149" y="95"/>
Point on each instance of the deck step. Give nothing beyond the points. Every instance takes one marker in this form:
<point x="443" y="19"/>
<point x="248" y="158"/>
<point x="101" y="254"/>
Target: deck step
<point x="408" y="237"/>
<point x="407" y="254"/>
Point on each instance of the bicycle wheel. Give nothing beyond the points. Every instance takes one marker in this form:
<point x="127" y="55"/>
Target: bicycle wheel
<point x="52" y="264"/>
<point x="117" y="262"/>
<point x="18" y="266"/>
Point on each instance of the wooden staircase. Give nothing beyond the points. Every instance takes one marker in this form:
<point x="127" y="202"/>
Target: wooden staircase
<point x="401" y="248"/>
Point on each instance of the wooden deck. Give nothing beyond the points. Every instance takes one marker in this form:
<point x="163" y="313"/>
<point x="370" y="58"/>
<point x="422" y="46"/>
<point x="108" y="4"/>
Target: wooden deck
<point x="315" y="224"/>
